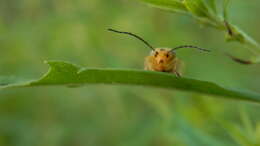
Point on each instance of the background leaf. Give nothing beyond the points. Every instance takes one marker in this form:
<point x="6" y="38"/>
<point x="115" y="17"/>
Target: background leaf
<point x="211" y="4"/>
<point x="197" y="8"/>
<point x="171" y="5"/>
<point x="205" y="12"/>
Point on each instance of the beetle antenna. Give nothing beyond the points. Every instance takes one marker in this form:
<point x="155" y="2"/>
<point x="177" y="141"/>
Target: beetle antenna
<point x="190" y="46"/>
<point x="134" y="35"/>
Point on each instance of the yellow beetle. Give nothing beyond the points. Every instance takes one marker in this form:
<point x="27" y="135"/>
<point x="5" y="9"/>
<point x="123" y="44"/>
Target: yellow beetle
<point x="161" y="59"/>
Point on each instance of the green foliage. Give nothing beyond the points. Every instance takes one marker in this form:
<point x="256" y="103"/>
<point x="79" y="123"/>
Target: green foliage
<point x="206" y="13"/>
<point x="197" y="8"/>
<point x="171" y="5"/>
<point x="225" y="9"/>
<point x="211" y="4"/>
<point x="62" y="73"/>
<point x="236" y="34"/>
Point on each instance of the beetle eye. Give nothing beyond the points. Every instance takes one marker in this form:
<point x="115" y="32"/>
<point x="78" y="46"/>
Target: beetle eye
<point x="167" y="55"/>
<point x="156" y="54"/>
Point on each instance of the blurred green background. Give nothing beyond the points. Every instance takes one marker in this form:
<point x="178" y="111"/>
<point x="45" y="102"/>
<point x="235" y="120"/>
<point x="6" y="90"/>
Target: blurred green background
<point x="32" y="31"/>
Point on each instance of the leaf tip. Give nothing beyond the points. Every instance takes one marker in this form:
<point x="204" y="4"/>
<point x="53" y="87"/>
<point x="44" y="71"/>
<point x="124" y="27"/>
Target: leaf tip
<point x="50" y="62"/>
<point x="54" y="62"/>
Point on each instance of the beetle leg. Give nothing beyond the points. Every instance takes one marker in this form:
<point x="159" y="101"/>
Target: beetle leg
<point x="177" y="74"/>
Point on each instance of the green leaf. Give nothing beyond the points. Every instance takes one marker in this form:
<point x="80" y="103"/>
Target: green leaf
<point x="211" y="4"/>
<point x="197" y="8"/>
<point x="236" y="34"/>
<point x="205" y="12"/>
<point x="170" y="5"/>
<point x="66" y="74"/>
<point x="225" y="8"/>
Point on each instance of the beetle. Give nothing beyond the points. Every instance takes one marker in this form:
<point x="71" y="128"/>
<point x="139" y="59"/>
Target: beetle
<point x="161" y="59"/>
